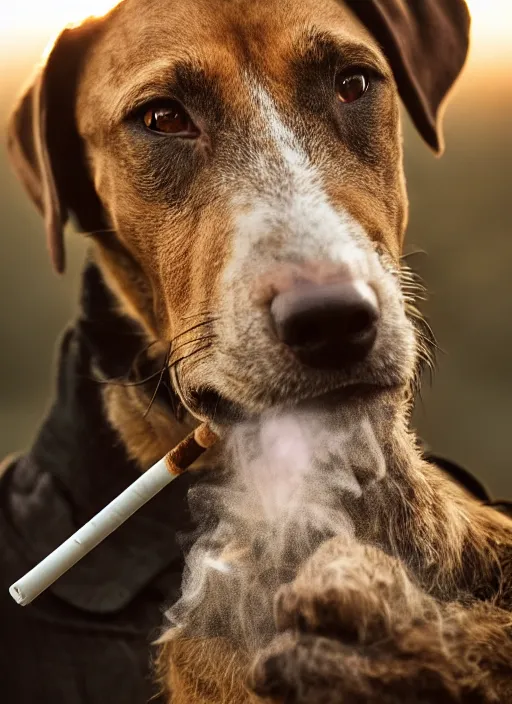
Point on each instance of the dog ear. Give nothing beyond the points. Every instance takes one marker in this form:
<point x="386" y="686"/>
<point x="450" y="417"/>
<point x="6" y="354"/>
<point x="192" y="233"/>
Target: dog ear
<point x="45" y="148"/>
<point x="426" y="43"/>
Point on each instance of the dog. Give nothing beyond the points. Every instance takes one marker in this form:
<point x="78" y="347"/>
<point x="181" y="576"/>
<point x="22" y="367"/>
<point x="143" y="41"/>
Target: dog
<point x="237" y="166"/>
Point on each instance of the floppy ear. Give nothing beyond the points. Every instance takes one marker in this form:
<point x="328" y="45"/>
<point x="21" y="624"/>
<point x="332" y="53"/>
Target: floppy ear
<point x="426" y="43"/>
<point x="45" y="148"/>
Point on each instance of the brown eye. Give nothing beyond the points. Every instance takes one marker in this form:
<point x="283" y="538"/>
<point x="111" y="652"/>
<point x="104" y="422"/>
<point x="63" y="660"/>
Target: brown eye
<point x="170" y="118"/>
<point x="350" y="87"/>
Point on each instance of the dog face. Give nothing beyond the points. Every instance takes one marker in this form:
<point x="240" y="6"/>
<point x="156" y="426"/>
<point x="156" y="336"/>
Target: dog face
<point x="248" y="157"/>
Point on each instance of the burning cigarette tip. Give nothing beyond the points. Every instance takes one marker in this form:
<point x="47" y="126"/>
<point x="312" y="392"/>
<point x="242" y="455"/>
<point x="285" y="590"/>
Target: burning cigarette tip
<point x="204" y="436"/>
<point x="190" y="449"/>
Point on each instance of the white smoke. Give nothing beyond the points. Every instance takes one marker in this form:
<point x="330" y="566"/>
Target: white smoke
<point x="287" y="481"/>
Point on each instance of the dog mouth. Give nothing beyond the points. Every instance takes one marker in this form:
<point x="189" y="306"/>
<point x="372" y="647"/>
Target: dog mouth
<point x="209" y="405"/>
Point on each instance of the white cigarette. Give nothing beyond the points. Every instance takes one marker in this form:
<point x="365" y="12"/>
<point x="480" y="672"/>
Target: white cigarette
<point x="112" y="516"/>
<point x="91" y="534"/>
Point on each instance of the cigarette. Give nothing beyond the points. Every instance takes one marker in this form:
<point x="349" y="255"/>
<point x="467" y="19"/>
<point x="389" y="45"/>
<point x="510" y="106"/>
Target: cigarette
<point x="113" y="515"/>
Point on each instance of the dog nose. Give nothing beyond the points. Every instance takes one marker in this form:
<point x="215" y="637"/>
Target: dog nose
<point x="327" y="326"/>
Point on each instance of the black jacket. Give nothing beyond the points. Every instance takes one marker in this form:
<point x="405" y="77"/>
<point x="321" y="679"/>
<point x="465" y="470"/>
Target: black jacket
<point x="87" y="640"/>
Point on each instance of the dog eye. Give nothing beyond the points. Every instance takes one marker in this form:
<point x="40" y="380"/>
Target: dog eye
<point x="351" y="86"/>
<point x="169" y="118"/>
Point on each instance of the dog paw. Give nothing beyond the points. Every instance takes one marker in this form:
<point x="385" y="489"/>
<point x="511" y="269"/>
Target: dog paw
<point x="354" y="593"/>
<point x="309" y="669"/>
<point x="301" y="669"/>
<point x="354" y="628"/>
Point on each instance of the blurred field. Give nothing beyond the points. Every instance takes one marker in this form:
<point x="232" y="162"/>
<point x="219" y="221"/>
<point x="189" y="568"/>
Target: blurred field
<point x="460" y="214"/>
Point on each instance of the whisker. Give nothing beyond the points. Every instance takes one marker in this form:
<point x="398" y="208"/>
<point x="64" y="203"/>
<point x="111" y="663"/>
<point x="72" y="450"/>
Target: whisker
<point x="162" y="372"/>
<point x="174" y="400"/>
<point x="139" y="355"/>
<point x="123" y="381"/>
<point x="194" y="327"/>
<point x="191" y="342"/>
<point x="413" y="253"/>
<point x="196" y="315"/>
<point x="413" y="290"/>
<point x="186" y="356"/>
<point x="423" y="328"/>
<point x="120" y="382"/>
<point x="430" y="340"/>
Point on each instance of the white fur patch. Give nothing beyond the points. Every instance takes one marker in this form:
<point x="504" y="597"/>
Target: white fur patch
<point x="291" y="200"/>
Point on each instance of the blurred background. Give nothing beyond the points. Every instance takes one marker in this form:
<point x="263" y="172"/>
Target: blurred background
<point x="461" y="217"/>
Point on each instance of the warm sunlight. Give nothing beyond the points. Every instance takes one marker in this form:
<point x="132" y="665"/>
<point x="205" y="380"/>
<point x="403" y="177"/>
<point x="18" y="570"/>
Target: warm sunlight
<point x="491" y="27"/>
<point x="31" y="23"/>
<point x="30" y="27"/>
<point x="49" y="16"/>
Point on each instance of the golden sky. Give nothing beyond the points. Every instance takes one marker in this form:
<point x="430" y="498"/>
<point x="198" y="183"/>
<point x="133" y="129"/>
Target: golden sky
<point x="30" y="24"/>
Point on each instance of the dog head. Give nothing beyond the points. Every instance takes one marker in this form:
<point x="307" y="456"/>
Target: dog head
<point x="241" y="166"/>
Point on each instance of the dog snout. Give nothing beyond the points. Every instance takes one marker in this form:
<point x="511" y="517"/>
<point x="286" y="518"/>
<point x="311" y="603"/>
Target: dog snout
<point x="327" y="326"/>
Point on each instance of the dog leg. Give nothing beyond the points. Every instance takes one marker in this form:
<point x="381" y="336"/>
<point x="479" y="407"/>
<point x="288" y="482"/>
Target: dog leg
<point x="355" y="628"/>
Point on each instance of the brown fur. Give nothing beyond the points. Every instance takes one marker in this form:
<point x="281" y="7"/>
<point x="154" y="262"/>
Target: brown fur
<point x="431" y="623"/>
<point x="417" y="608"/>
